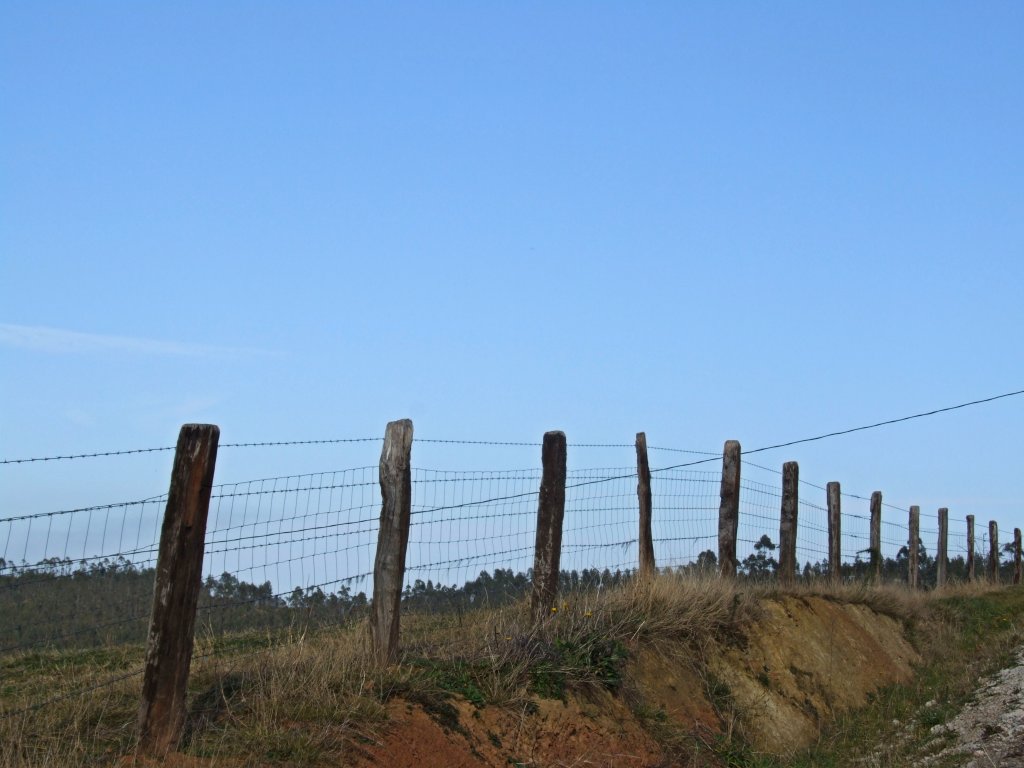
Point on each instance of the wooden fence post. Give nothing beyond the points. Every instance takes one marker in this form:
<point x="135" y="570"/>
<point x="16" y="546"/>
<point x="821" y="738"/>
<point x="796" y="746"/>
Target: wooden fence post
<point x="993" y="551"/>
<point x="912" y="546"/>
<point x="392" y="539"/>
<point x="834" y="530"/>
<point x="876" y="536"/>
<point x="1016" y="555"/>
<point x="970" y="548"/>
<point x="550" y="511"/>
<point x="788" y="522"/>
<point x="179" y="574"/>
<point x="643" y="492"/>
<point x="729" y="509"/>
<point x="940" y="551"/>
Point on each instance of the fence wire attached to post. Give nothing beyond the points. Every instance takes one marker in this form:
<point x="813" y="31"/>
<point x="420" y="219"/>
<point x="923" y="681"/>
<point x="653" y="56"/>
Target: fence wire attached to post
<point x="643" y="492"/>
<point x="550" y="513"/>
<point x="392" y="540"/>
<point x="179" y="573"/>
<point x="729" y="509"/>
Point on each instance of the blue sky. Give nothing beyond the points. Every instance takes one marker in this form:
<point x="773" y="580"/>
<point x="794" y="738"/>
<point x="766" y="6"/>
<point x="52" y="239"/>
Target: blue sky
<point x="759" y="221"/>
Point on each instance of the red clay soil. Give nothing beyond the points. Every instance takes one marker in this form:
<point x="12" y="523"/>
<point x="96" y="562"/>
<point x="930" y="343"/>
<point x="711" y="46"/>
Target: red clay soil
<point x="599" y="731"/>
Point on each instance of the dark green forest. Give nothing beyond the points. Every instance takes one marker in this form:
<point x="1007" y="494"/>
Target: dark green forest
<point x="63" y="604"/>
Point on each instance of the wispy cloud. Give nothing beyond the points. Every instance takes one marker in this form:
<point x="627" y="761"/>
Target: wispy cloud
<point x="60" y="340"/>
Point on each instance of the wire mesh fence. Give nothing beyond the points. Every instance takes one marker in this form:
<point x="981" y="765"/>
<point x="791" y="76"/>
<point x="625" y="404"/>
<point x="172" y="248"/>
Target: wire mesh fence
<point x="289" y="553"/>
<point x="303" y="545"/>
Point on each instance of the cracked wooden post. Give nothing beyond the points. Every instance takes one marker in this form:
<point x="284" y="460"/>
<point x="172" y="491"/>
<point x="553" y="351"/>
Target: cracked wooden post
<point x="788" y="522"/>
<point x="729" y="509"/>
<point x="179" y="574"/>
<point x="643" y="492"/>
<point x="941" y="549"/>
<point x="876" y="537"/>
<point x="1016" y="555"/>
<point x="550" y="511"/>
<point x="392" y="539"/>
<point x="912" y="546"/>
<point x="835" y="555"/>
<point x="993" y="551"/>
<point x="970" y="548"/>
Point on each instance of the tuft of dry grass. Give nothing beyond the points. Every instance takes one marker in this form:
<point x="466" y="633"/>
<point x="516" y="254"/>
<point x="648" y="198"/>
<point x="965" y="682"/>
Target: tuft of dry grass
<point x="679" y="608"/>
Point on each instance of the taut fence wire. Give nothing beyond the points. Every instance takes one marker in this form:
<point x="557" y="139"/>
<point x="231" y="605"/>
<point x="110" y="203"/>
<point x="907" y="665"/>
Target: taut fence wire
<point x="300" y="548"/>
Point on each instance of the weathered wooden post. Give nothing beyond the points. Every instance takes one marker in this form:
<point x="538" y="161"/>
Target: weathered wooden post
<point x="970" y="548"/>
<point x="179" y="573"/>
<point x="1016" y="555"/>
<point x="834" y="528"/>
<point x="392" y="539"/>
<point x="550" y="511"/>
<point x="993" y="551"/>
<point x="912" y="546"/>
<point x="788" y="522"/>
<point x="643" y="492"/>
<point x="940" y="551"/>
<point x="729" y="509"/>
<point x="876" y="536"/>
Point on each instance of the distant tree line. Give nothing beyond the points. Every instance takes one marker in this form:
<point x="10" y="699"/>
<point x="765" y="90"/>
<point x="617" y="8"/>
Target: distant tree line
<point x="63" y="603"/>
<point x="762" y="564"/>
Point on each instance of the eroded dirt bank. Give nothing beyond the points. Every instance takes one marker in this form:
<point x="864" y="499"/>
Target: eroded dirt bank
<point x="777" y="681"/>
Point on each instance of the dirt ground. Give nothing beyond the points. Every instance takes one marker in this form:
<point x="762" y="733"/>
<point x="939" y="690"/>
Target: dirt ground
<point x="989" y="731"/>
<point x="788" y="675"/>
<point x="600" y="732"/>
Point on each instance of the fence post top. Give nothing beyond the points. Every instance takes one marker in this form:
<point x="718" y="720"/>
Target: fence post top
<point x="554" y="434"/>
<point x="212" y="428"/>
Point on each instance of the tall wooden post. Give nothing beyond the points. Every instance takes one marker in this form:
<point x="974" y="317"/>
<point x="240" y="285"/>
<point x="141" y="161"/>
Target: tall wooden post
<point x="392" y="539"/>
<point x="729" y="509"/>
<point x="912" y="547"/>
<point x="1016" y="555"/>
<point x="941" y="549"/>
<point x="179" y="573"/>
<point x="834" y="530"/>
<point x="970" y="548"/>
<point x="643" y="492"/>
<point x="550" y="511"/>
<point x="993" y="551"/>
<point x="876" y="536"/>
<point x="788" y="522"/>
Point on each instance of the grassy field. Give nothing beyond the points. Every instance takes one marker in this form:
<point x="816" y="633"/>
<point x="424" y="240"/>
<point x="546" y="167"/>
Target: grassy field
<point x="295" y="697"/>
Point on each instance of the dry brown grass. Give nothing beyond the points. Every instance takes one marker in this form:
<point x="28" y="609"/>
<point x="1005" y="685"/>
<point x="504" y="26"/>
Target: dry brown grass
<point x="89" y="701"/>
<point x="305" y="698"/>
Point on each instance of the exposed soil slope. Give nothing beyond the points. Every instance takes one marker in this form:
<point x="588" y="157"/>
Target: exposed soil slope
<point x="779" y="680"/>
<point x="806" y="660"/>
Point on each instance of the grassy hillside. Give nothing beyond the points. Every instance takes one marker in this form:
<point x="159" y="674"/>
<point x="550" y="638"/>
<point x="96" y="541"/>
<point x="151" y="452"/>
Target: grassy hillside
<point x="306" y="694"/>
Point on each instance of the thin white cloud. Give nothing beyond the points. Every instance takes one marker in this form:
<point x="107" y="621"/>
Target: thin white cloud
<point x="60" y="340"/>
